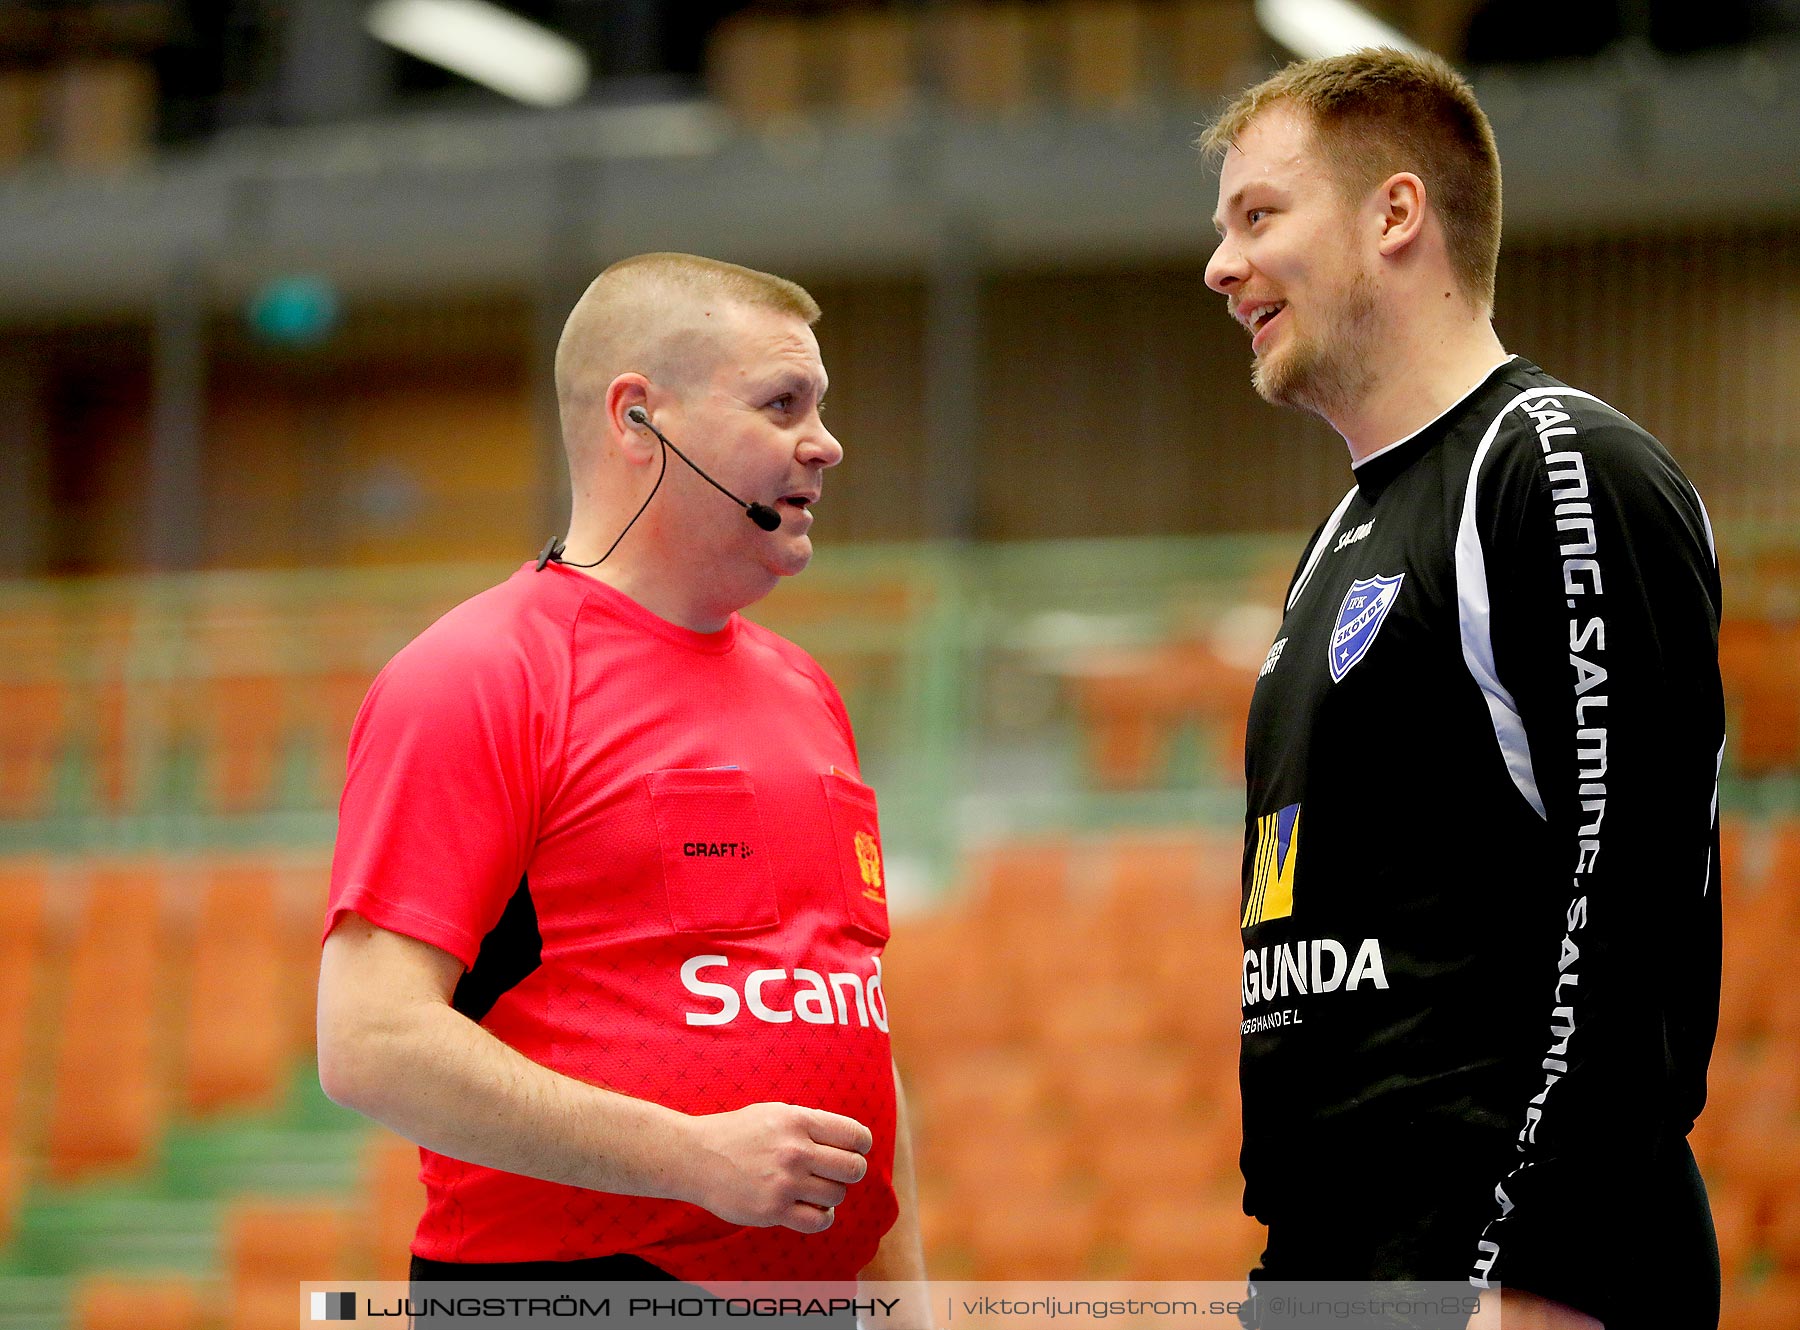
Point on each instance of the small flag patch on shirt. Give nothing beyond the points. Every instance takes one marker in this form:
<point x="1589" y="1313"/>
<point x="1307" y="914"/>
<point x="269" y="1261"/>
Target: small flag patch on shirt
<point x="334" y="1306"/>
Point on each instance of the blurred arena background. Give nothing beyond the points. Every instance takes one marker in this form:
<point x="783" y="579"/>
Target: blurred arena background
<point x="277" y="302"/>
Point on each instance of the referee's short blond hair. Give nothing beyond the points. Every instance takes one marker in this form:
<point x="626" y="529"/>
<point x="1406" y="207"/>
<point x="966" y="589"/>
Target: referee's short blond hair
<point x="651" y="314"/>
<point x="704" y="276"/>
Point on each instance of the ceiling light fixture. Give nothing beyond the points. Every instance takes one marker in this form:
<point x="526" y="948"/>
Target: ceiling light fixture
<point x="1316" y="28"/>
<point x="493" y="46"/>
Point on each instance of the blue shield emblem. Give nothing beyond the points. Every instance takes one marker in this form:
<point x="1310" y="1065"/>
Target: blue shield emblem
<point x="1366" y="605"/>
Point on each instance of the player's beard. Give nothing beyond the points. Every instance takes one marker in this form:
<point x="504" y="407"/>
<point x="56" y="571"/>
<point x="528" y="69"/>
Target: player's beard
<point x="1320" y="376"/>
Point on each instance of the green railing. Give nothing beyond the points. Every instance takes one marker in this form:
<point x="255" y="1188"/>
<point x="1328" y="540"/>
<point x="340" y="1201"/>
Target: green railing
<point x="991" y="687"/>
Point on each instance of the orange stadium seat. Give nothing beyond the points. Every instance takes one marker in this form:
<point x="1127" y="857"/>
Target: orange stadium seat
<point x="1735" y="1221"/>
<point x="944" y="1228"/>
<point x="1030" y="1231"/>
<point x="1753" y="1093"/>
<point x="13" y="1169"/>
<point x="1782" y="1234"/>
<point x="1074" y="1021"/>
<point x="239" y="704"/>
<point x="396" y="1198"/>
<point x="271" y="1248"/>
<point x="346" y="653"/>
<point x="1121" y="1087"/>
<point x="1169" y="1236"/>
<point x="997" y="1088"/>
<point x="1778" y="1179"/>
<point x="236" y="1046"/>
<point x="1732" y="835"/>
<point x="1213" y="1069"/>
<point x="246" y="723"/>
<point x="107" y="1101"/>
<point x="300" y="968"/>
<point x="1770" y="1303"/>
<point x="1228" y="715"/>
<point x="1167" y="913"/>
<point x="1148" y="875"/>
<point x="940" y="1002"/>
<point x="22" y="951"/>
<point x="1196" y="1001"/>
<point x="1195" y="1160"/>
<point x="34" y="706"/>
<point x="305" y="885"/>
<point x="1783" y="882"/>
<point x="107" y="705"/>
<point x="983" y="1153"/>
<point x="1125" y="704"/>
<point x="1131" y="703"/>
<point x="916" y="969"/>
<point x="121" y="703"/>
<point x="1760" y="663"/>
<point x="333" y="701"/>
<point x="1019" y="879"/>
<point x="1041" y="961"/>
<point x="1784" y="1019"/>
<point x="119" y="1302"/>
<point x="1753" y="952"/>
<point x="33" y="725"/>
<point x="1222" y="870"/>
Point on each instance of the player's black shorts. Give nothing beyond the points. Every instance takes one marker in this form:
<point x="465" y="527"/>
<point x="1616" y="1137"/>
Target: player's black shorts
<point x="1664" y="1247"/>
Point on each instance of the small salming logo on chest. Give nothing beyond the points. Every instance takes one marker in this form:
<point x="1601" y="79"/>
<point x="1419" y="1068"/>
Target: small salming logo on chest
<point x="1351" y="537"/>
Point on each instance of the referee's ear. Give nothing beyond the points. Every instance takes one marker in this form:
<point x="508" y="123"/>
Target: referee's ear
<point x="634" y="442"/>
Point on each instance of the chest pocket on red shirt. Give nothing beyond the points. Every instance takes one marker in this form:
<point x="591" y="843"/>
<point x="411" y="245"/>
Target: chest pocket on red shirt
<point x="715" y="860"/>
<point x="858" y="842"/>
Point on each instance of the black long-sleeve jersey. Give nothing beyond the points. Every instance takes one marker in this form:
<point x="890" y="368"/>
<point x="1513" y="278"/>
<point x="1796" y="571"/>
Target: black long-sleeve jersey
<point x="1481" y="884"/>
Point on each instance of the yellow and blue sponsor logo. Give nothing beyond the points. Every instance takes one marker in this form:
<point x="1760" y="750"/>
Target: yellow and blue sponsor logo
<point x="1272" y="875"/>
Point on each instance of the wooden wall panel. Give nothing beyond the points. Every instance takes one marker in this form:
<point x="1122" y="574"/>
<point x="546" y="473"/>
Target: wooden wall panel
<point x="1695" y="335"/>
<point x="1113" y="402"/>
<point x="872" y="338"/>
<point x="267" y="455"/>
<point x="429" y="465"/>
<point x="441" y="469"/>
<point x="1120" y="404"/>
<point x="97" y="406"/>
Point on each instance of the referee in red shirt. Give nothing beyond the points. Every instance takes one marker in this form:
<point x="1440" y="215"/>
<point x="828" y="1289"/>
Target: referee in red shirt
<point x="607" y="905"/>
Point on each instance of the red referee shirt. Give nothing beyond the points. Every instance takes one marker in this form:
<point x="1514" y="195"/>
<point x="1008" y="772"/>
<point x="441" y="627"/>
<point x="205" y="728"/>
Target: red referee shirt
<point x="651" y="848"/>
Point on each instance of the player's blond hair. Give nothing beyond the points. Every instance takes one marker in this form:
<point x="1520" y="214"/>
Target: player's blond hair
<point x="1379" y="111"/>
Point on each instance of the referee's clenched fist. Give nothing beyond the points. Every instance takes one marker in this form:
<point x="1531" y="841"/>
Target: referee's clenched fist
<point x="771" y="1164"/>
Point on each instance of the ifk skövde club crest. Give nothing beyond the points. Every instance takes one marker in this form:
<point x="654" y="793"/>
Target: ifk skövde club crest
<point x="1365" y="608"/>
